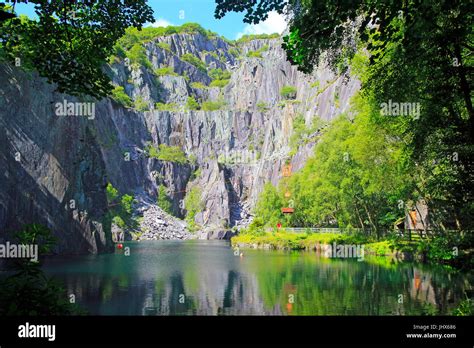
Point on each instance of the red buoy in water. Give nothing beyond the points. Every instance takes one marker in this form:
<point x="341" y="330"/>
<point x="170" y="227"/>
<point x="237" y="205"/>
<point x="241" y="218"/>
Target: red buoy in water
<point x="120" y="246"/>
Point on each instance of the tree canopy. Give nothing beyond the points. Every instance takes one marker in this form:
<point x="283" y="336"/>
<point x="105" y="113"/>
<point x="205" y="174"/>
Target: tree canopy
<point x="71" y="40"/>
<point x="418" y="53"/>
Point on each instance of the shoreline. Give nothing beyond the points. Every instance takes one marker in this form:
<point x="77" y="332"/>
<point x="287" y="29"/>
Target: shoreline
<point x="320" y="242"/>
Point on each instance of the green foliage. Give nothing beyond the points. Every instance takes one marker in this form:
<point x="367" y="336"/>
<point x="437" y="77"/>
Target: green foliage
<point x="148" y="34"/>
<point x="137" y="55"/>
<point x="71" y="51"/>
<point x="118" y="221"/>
<point x="192" y="104"/>
<point x="112" y="193"/>
<point x="315" y="84"/>
<point x="167" y="153"/>
<point x="353" y="179"/>
<point x="301" y="133"/>
<point x="254" y="54"/>
<point x="269" y="204"/>
<point x="198" y="85"/>
<point x="168" y="70"/>
<point x="29" y="292"/>
<point x="193" y="205"/>
<point x="213" y="105"/>
<point x="401" y="62"/>
<point x="196" y="174"/>
<point x="465" y="308"/>
<point x="192" y="59"/>
<point x="288" y="92"/>
<point x="234" y="51"/>
<point x="219" y="74"/>
<point x="120" y="208"/>
<point x="171" y="107"/>
<point x="220" y="77"/>
<point x="257" y="53"/>
<point x="212" y="54"/>
<point x="219" y="83"/>
<point x="165" y="46"/>
<point x="141" y="105"/>
<point x="262" y="107"/>
<point x="126" y="202"/>
<point x="382" y="248"/>
<point x="164" y="202"/>
<point x="248" y="38"/>
<point x="119" y="95"/>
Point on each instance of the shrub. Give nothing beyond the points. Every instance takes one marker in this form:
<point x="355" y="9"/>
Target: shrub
<point x="191" y="59"/>
<point x="118" y="221"/>
<point x="198" y="85"/>
<point x="219" y="83"/>
<point x="288" y="92"/>
<point x="212" y="54"/>
<point x="219" y="74"/>
<point x="234" y="51"/>
<point x="262" y="107"/>
<point x="119" y="95"/>
<point x="137" y="55"/>
<point x="192" y="104"/>
<point x="193" y="205"/>
<point x="29" y="291"/>
<point x="172" y="107"/>
<point x="167" y="153"/>
<point x="213" y="105"/>
<point x="254" y="54"/>
<point x="164" y="202"/>
<point x="111" y="192"/>
<point x="165" y="46"/>
<point x="248" y="38"/>
<point x="168" y="70"/>
<point x="133" y="35"/>
<point x="141" y="105"/>
<point x="258" y="53"/>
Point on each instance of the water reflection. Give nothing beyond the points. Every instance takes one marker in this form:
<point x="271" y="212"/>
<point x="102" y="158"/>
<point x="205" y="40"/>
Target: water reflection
<point x="205" y="278"/>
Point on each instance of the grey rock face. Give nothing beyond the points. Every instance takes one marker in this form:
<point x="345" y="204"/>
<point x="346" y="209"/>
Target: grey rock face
<point x="51" y="168"/>
<point x="234" y="150"/>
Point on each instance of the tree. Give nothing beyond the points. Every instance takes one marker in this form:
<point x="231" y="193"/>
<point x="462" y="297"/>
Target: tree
<point x="288" y="92"/>
<point x="192" y="104"/>
<point x="164" y="202"/>
<point x="29" y="292"/>
<point x="418" y="52"/>
<point x="71" y="40"/>
<point x="269" y="204"/>
<point x="193" y="205"/>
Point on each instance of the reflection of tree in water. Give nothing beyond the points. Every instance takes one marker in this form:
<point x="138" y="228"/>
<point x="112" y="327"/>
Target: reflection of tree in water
<point x="262" y="283"/>
<point x="347" y="287"/>
<point x="441" y="291"/>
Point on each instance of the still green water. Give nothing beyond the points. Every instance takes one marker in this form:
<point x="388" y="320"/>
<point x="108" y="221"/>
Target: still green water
<point x="206" y="278"/>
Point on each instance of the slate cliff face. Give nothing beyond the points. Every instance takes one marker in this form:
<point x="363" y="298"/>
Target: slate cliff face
<point x="72" y="158"/>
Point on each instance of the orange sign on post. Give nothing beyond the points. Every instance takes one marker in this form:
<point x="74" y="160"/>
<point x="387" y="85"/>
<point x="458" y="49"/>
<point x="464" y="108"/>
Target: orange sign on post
<point x="287" y="170"/>
<point x="287" y="210"/>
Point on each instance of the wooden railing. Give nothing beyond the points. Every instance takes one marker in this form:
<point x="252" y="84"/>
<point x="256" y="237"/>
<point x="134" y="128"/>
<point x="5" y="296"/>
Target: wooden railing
<point x="308" y="230"/>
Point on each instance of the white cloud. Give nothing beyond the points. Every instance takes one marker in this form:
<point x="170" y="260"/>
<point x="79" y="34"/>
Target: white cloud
<point x="161" y="22"/>
<point x="275" y="23"/>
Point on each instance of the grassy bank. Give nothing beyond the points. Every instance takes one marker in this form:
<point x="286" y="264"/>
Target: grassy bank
<point x="305" y="241"/>
<point x="437" y="250"/>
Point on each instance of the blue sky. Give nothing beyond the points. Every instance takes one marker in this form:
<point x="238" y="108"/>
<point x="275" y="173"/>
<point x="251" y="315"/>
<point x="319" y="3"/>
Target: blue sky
<point x="171" y="12"/>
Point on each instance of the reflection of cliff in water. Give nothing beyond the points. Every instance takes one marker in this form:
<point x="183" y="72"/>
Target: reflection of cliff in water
<point x="205" y="278"/>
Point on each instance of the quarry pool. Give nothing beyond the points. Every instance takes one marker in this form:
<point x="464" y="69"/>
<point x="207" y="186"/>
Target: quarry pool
<point x="206" y="278"/>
